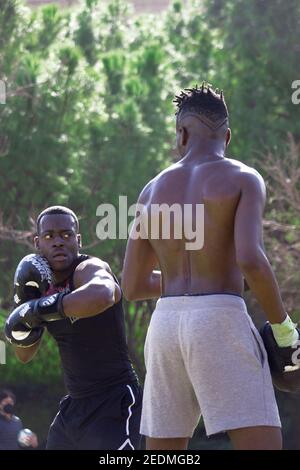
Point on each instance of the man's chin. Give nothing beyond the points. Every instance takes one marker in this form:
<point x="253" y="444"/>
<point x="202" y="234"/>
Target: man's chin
<point x="60" y="266"/>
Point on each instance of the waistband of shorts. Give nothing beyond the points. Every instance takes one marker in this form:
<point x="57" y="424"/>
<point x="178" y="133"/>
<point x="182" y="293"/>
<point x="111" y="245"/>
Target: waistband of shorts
<point x="210" y="300"/>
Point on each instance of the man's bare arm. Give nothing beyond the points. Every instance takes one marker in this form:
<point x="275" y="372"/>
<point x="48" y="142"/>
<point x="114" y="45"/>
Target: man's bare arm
<point x="140" y="280"/>
<point x="250" y="254"/>
<point x="95" y="290"/>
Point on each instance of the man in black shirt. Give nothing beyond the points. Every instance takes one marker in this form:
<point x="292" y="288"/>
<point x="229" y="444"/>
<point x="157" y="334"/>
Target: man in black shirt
<point x="81" y="307"/>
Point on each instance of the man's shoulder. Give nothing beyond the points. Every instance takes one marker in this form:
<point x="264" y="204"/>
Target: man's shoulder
<point x="158" y="180"/>
<point x="238" y="165"/>
<point x="92" y="261"/>
<point x="250" y="182"/>
<point x="89" y="268"/>
<point x="244" y="172"/>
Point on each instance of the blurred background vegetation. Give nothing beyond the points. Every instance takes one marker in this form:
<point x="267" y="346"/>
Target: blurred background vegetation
<point x="89" y="117"/>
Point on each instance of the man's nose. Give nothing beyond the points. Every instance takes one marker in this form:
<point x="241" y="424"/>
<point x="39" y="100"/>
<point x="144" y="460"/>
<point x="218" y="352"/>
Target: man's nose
<point x="58" y="241"/>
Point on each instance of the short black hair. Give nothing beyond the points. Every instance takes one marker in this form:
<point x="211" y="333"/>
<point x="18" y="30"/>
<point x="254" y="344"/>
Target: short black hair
<point x="4" y="393"/>
<point x="205" y="102"/>
<point x="53" y="210"/>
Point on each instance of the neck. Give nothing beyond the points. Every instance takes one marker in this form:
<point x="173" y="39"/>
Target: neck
<point x="204" y="152"/>
<point x="61" y="276"/>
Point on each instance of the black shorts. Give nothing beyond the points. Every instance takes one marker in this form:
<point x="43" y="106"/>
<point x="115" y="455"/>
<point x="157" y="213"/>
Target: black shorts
<point x="101" y="422"/>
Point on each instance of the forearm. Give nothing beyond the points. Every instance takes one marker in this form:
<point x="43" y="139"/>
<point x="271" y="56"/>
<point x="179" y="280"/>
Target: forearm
<point x="148" y="288"/>
<point x="262" y="282"/>
<point x="26" y="354"/>
<point x="89" y="300"/>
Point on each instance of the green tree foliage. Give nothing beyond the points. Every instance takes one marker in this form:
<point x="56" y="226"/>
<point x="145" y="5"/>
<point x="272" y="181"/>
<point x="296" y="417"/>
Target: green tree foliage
<point x="89" y="114"/>
<point x="191" y="44"/>
<point x="256" y="60"/>
<point x="87" y="119"/>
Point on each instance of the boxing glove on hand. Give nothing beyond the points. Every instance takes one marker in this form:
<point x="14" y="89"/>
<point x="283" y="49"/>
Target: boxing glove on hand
<point x="35" y="313"/>
<point x="19" y="334"/>
<point x="32" y="279"/>
<point x="279" y="357"/>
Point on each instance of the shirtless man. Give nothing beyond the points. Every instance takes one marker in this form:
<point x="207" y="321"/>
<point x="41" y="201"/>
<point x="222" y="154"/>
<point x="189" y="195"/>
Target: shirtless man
<point x="203" y="354"/>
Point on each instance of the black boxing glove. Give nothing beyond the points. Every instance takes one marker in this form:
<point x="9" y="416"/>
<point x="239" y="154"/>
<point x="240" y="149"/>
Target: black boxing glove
<point x="278" y="357"/>
<point x="35" y="313"/>
<point x="32" y="279"/>
<point x="19" y="334"/>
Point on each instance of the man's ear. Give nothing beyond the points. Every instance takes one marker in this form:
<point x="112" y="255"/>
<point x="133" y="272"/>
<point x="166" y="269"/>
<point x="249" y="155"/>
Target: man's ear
<point x="184" y="135"/>
<point x="79" y="240"/>
<point x="36" y="242"/>
<point x="228" y="136"/>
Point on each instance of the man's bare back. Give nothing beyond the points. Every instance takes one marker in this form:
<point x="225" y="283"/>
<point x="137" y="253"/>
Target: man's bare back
<point x="217" y="185"/>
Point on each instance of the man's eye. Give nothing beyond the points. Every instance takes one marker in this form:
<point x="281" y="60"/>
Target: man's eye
<point x="47" y="237"/>
<point x="67" y="235"/>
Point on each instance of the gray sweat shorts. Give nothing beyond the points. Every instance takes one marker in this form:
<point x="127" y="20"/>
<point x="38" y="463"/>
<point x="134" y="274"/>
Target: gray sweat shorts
<point x="204" y="356"/>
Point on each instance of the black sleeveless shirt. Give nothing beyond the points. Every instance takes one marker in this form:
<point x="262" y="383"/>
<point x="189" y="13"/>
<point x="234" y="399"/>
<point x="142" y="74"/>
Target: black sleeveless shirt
<point x="93" y="350"/>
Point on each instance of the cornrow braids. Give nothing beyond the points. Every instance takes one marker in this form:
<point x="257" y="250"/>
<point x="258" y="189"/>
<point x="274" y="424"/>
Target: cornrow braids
<point x="205" y="103"/>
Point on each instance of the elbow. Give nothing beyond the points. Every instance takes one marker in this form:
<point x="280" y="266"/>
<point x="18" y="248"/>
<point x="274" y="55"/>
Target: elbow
<point x="128" y="294"/>
<point x="252" y="263"/>
<point x="98" y="299"/>
<point x="106" y="299"/>
<point x="128" y="291"/>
